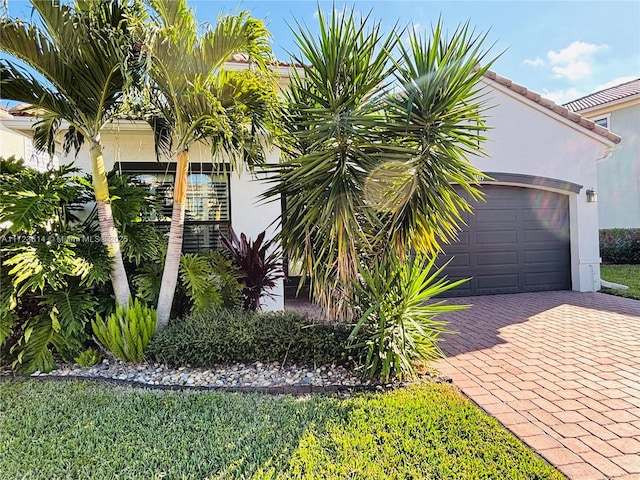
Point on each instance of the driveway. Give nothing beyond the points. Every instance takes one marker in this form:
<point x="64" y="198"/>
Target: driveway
<point x="561" y="370"/>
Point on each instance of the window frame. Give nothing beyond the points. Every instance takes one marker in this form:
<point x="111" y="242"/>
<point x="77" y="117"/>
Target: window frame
<point x="599" y="118"/>
<point x="141" y="168"/>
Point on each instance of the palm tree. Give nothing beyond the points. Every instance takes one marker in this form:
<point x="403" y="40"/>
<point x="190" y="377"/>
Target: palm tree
<point x="80" y="54"/>
<point x="373" y="144"/>
<point x="197" y="100"/>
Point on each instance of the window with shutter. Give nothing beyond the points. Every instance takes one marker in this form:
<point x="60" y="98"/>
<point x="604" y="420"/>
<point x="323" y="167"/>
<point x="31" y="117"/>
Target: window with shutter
<point x="208" y="205"/>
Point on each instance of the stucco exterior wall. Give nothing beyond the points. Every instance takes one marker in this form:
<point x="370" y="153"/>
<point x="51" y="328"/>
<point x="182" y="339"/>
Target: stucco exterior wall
<point x="531" y="140"/>
<point x="619" y="175"/>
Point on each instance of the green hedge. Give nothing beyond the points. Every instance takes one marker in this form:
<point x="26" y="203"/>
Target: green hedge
<point x="620" y="245"/>
<point x="220" y="336"/>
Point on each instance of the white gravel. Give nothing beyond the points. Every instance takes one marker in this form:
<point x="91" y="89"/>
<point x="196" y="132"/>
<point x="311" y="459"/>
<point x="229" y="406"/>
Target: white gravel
<point x="233" y="375"/>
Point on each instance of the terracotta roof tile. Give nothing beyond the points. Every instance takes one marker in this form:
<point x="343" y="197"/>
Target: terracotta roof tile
<point x="554" y="107"/>
<point x="608" y="95"/>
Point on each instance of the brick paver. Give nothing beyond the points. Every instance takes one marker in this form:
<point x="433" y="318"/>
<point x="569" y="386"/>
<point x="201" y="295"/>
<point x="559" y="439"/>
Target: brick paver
<point x="559" y="369"/>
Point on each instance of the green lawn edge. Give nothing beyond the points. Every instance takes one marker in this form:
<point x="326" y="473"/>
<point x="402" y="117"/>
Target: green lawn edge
<point x="90" y="430"/>
<point x="628" y="275"/>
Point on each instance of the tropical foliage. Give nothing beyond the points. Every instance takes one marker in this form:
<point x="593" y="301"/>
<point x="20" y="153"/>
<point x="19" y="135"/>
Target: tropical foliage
<point x="127" y="331"/>
<point x="194" y="98"/>
<point x="54" y="269"/>
<point x="374" y="142"/>
<point x="400" y="326"/>
<point x="48" y="269"/>
<point x="259" y="264"/>
<point x="86" y="56"/>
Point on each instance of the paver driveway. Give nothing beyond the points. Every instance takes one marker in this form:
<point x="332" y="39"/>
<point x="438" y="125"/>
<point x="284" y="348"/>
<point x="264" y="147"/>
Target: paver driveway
<point x="559" y="369"/>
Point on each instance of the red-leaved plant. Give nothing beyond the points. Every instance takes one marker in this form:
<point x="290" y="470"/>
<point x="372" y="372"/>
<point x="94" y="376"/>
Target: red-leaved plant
<point x="260" y="268"/>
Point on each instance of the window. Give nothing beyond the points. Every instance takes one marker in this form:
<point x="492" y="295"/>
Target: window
<point x="207" y="207"/>
<point x="602" y="121"/>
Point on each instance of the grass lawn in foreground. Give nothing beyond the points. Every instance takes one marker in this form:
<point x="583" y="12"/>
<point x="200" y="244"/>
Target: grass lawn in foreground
<point x="88" y="430"/>
<point x="628" y="275"/>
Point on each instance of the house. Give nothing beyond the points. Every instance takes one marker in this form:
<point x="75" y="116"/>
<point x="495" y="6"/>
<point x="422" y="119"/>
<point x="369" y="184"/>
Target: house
<point x="536" y="231"/>
<point x="618" y="109"/>
<point x="20" y="145"/>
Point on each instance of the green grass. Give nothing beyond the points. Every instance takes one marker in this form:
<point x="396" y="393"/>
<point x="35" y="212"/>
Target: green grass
<point x="59" y="430"/>
<point x="628" y="275"/>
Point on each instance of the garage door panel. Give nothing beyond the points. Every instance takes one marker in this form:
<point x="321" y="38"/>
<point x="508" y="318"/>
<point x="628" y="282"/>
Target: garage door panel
<point x="544" y="281"/>
<point x="551" y="256"/>
<point x="493" y="237"/>
<point x="516" y="241"/>
<point x="543" y="236"/>
<point x="461" y="260"/>
<point x="497" y="259"/>
<point x="498" y="281"/>
<point x="497" y="216"/>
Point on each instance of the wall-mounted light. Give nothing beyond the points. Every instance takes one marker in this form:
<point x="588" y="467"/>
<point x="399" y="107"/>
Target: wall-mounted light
<point x="592" y="195"/>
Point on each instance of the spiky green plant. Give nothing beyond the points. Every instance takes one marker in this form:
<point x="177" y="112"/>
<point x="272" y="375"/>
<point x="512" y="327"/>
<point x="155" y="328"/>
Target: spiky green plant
<point x="376" y="132"/>
<point x="88" y="358"/>
<point x="126" y="332"/>
<point x="400" y="324"/>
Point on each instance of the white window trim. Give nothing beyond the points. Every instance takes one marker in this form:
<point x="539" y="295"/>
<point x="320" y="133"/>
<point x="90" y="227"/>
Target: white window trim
<point x="606" y="117"/>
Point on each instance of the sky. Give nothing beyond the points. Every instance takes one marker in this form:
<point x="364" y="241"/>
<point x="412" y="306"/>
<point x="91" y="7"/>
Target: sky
<point x="560" y="49"/>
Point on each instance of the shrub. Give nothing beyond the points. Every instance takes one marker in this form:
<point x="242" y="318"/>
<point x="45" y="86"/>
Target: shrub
<point x="222" y="335"/>
<point x="127" y="331"/>
<point x="398" y="326"/>
<point x="260" y="269"/>
<point x="88" y="358"/>
<point x="620" y="245"/>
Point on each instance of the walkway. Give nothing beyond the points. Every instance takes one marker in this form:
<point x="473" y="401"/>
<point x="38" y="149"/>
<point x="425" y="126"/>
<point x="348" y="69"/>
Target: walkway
<point x="559" y="369"/>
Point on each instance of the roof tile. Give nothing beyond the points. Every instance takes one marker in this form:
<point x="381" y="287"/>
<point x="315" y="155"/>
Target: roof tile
<point x="554" y="107"/>
<point x="608" y="95"/>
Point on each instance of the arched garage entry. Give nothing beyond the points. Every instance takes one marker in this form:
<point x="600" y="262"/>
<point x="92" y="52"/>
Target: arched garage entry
<point x="516" y="241"/>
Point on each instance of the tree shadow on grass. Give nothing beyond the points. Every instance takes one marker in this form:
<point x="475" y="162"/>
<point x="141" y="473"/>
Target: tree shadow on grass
<point x="87" y="430"/>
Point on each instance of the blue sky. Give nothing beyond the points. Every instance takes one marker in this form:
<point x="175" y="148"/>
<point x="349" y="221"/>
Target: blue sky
<point x="561" y="49"/>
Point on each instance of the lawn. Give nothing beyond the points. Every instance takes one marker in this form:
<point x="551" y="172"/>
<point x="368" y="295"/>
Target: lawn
<point x="89" y="430"/>
<point x="626" y="275"/>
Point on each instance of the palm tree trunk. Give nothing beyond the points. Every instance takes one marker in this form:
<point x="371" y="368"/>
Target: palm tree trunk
<point x="108" y="231"/>
<point x="174" y="249"/>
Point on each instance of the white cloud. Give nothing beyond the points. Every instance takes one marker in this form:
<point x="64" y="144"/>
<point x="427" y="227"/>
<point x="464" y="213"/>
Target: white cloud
<point x="573" y="71"/>
<point x="563" y="96"/>
<point x="574" y="62"/>
<point x="536" y="62"/>
<point x="613" y="83"/>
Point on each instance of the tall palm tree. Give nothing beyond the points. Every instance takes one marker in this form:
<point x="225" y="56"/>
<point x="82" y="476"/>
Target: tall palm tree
<point x="196" y="100"/>
<point x="81" y="55"/>
<point x="376" y="132"/>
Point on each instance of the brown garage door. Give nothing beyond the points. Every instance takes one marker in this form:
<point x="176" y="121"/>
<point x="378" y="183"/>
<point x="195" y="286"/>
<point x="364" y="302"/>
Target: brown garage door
<point x="516" y="241"/>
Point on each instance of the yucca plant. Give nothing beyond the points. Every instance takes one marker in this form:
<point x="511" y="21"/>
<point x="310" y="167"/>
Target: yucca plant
<point x="126" y="332"/>
<point x="377" y="130"/>
<point x="258" y="262"/>
<point x="400" y="325"/>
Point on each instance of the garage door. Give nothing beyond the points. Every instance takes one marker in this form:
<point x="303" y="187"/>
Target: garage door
<point x="516" y="241"/>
